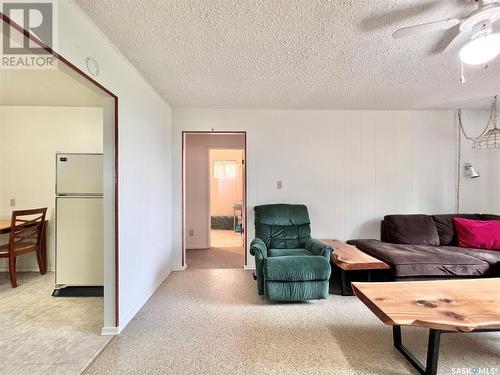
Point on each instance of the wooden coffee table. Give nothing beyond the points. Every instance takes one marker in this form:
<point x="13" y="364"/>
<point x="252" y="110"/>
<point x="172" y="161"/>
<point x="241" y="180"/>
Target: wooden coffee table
<point x="441" y="306"/>
<point x="349" y="258"/>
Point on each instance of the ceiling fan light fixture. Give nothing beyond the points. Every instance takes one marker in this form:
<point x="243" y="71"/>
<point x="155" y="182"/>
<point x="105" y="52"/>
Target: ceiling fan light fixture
<point x="480" y="50"/>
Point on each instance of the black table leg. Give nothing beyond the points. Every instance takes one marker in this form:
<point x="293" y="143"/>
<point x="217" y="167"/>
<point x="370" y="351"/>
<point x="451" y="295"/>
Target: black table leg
<point x="344" y="284"/>
<point x="431" y="365"/>
<point x="433" y="351"/>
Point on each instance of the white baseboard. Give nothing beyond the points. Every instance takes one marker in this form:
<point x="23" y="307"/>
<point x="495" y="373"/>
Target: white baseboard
<point x="110" y="331"/>
<point x="26" y="269"/>
<point x="133" y="312"/>
<point x="249" y="268"/>
<point x="181" y="268"/>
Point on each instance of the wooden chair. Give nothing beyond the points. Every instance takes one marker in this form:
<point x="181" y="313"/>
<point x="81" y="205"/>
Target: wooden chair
<point x="27" y="227"/>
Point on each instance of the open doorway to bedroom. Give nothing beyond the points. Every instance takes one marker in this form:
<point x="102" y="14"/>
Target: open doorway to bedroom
<point x="214" y="200"/>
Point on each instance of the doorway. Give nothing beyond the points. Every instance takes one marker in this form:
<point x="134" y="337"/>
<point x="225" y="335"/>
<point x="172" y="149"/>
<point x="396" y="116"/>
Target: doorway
<point x="226" y="197"/>
<point x="43" y="115"/>
<point x="109" y="104"/>
<point x="59" y="169"/>
<point x="214" y="200"/>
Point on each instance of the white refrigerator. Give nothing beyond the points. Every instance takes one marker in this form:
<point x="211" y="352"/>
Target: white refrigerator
<point x="79" y="220"/>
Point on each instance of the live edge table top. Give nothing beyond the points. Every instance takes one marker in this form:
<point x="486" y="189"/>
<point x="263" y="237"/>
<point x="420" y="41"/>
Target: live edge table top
<point x="450" y="305"/>
<point x="350" y="258"/>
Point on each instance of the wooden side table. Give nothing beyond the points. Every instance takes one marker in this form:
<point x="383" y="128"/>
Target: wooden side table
<point x="349" y="258"/>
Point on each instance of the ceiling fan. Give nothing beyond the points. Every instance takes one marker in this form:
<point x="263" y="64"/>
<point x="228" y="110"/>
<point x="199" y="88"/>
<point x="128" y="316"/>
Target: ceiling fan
<point x="482" y="46"/>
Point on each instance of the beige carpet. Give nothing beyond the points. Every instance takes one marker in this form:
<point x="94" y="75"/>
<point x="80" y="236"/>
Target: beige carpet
<point x="216" y="257"/>
<point x="40" y="334"/>
<point x="213" y="322"/>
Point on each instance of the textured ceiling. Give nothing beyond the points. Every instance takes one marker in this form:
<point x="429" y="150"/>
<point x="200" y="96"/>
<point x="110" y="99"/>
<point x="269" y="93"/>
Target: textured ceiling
<point x="292" y="53"/>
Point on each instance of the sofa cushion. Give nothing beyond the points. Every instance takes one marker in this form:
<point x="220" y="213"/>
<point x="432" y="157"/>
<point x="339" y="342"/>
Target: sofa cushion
<point x="288" y="252"/>
<point x="482" y="234"/>
<point x="296" y="268"/>
<point x="446" y="229"/>
<point x="492" y="257"/>
<point x="490" y="217"/>
<point x="411" y="230"/>
<point x="422" y="260"/>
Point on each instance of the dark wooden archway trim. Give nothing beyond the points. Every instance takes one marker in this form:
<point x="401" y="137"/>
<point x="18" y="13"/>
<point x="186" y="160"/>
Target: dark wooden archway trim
<point x="66" y="62"/>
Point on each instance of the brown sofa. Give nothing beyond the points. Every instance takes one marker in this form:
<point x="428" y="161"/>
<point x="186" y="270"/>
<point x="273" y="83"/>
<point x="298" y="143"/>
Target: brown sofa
<point x="425" y="247"/>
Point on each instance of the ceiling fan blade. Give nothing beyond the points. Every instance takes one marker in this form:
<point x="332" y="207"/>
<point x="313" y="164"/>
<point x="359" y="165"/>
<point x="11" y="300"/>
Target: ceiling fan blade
<point x="380" y="20"/>
<point x="425" y="28"/>
<point x="458" y="41"/>
<point x="444" y="40"/>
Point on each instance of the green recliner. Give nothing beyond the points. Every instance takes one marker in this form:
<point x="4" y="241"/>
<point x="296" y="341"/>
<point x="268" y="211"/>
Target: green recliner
<point x="290" y="266"/>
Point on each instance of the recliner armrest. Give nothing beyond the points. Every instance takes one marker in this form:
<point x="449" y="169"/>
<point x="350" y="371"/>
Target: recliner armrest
<point x="258" y="246"/>
<point x="318" y="248"/>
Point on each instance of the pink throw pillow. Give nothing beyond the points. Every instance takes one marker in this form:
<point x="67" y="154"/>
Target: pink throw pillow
<point x="478" y="234"/>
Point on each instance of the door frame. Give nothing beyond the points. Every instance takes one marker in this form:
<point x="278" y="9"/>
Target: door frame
<point x="6" y="20"/>
<point x="245" y="190"/>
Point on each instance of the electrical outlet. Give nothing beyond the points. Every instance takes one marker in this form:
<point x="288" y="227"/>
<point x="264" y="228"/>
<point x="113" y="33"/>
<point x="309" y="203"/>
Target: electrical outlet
<point x="191" y="232"/>
<point x="279" y="184"/>
<point x="12" y="202"/>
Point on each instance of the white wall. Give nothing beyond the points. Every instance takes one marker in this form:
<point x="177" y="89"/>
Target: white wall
<point x="144" y="138"/>
<point x="197" y="190"/>
<point x="349" y="167"/>
<point x="30" y="138"/>
<point x="479" y="194"/>
<point x="494" y="171"/>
